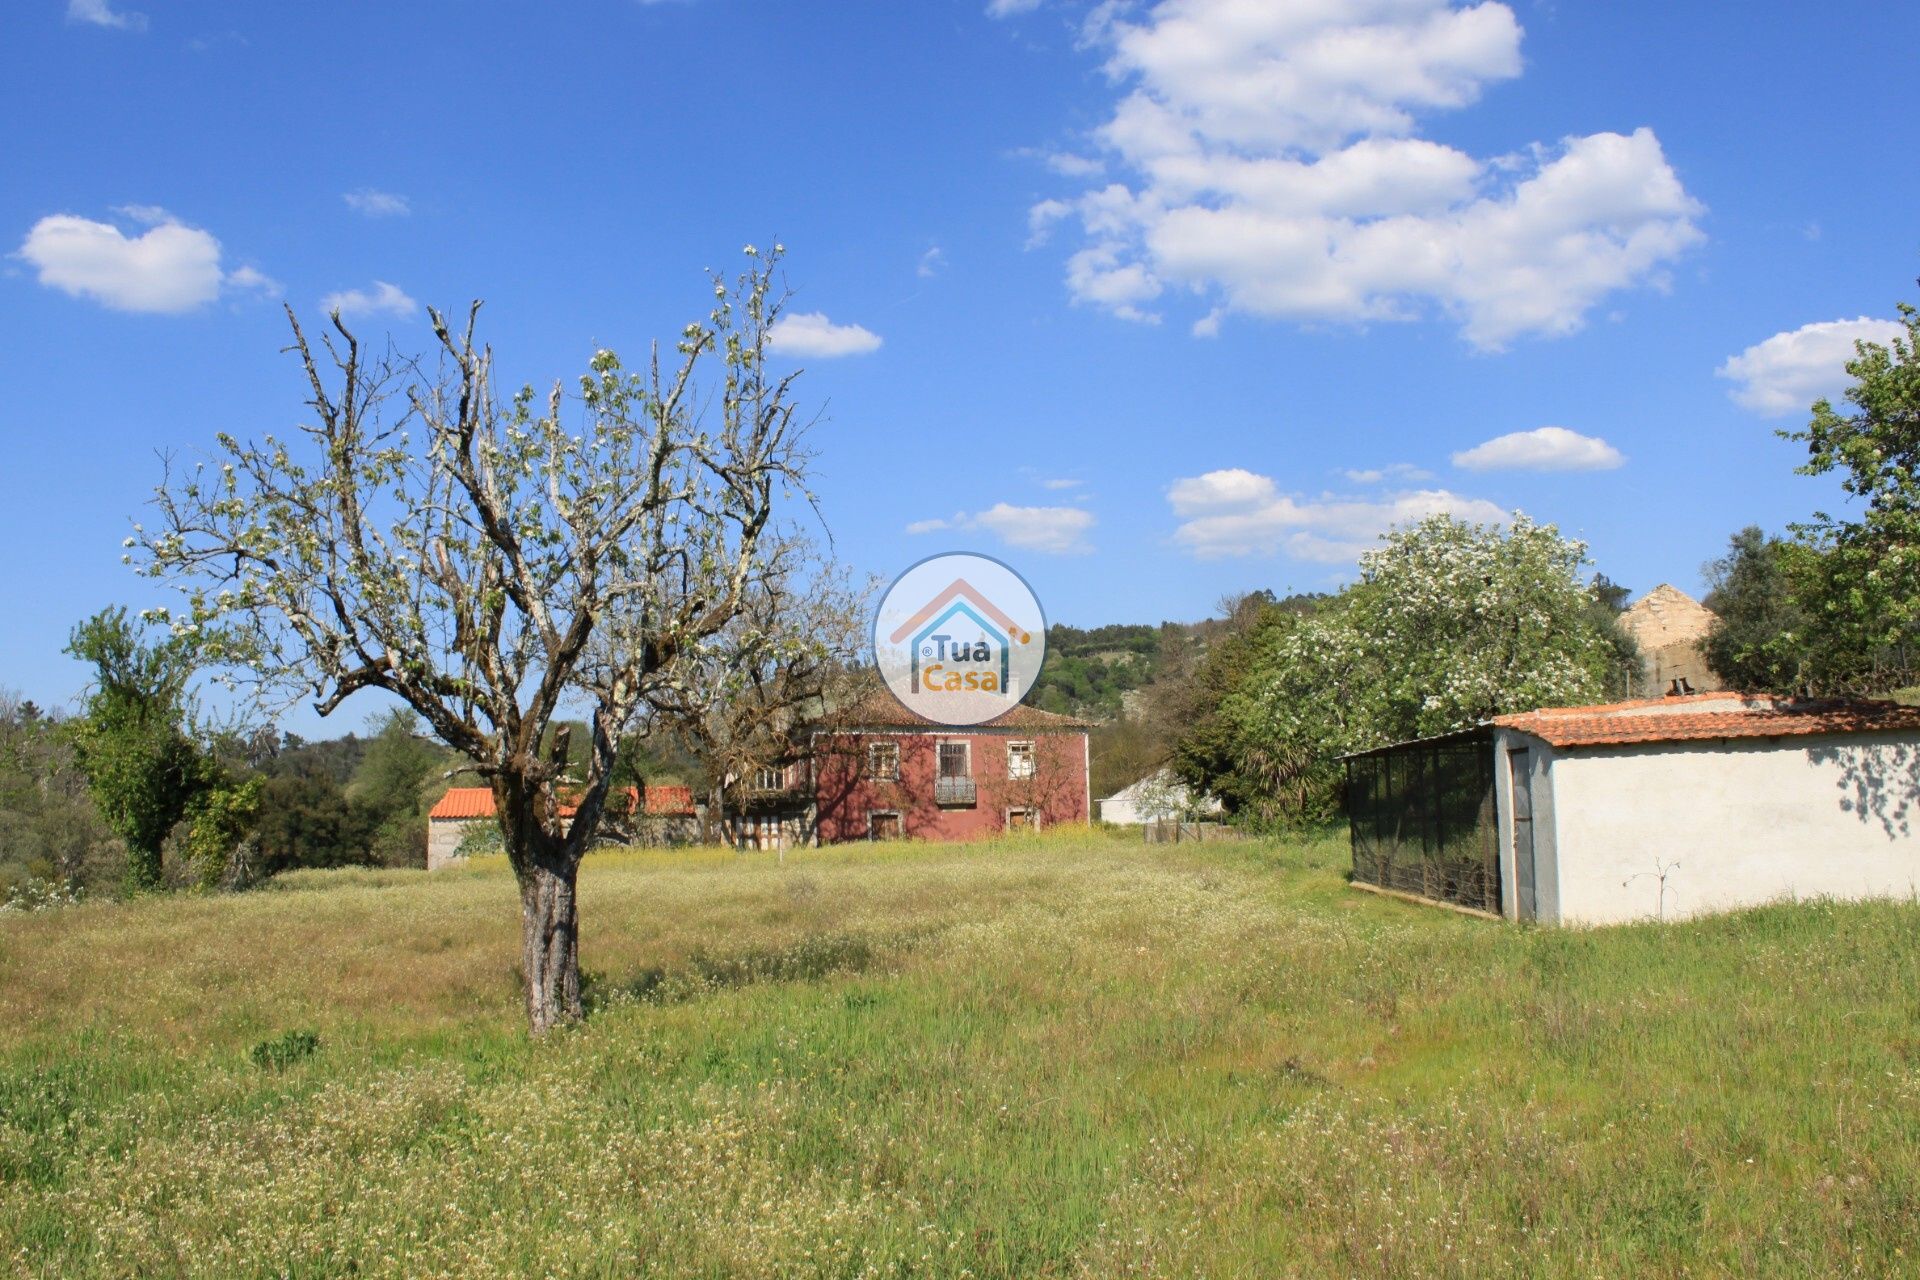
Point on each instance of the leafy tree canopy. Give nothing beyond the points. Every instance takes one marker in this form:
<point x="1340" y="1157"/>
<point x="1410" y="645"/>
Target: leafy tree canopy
<point x="1865" y="600"/>
<point x="1450" y="624"/>
<point x="143" y="767"/>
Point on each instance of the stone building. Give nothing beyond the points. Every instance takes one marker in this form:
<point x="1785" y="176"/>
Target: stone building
<point x="1671" y="627"/>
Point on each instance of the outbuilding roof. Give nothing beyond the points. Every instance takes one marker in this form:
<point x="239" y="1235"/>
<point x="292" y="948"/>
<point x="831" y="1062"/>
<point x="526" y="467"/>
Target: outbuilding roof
<point x="464" y="802"/>
<point x="477" y="802"/>
<point x="1710" y="716"/>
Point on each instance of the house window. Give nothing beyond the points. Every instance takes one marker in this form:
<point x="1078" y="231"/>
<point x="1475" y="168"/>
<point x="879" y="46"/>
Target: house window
<point x="953" y="785"/>
<point x="883" y="824"/>
<point x="770" y="778"/>
<point x="1023" y="819"/>
<point x="1020" y="760"/>
<point x="955" y="760"/>
<point x="883" y="760"/>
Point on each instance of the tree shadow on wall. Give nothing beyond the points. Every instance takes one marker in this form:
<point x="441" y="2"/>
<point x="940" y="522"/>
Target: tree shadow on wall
<point x="1878" y="782"/>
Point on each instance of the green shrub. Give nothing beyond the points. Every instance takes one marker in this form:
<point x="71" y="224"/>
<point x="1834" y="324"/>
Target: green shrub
<point x="284" y="1050"/>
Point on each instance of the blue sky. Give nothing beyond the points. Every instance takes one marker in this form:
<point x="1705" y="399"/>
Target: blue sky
<point x="1155" y="301"/>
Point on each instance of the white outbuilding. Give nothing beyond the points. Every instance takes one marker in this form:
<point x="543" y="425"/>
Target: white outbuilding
<point x="1154" y="798"/>
<point x="1660" y="808"/>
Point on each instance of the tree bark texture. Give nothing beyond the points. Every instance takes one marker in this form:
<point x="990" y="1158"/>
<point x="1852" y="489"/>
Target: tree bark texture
<point x="550" y="942"/>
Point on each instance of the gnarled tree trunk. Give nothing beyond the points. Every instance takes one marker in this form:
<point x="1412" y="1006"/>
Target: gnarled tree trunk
<point x="550" y="941"/>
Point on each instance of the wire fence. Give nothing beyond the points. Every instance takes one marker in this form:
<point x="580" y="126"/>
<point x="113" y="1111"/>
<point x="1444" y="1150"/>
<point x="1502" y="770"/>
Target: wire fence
<point x="1423" y="820"/>
<point x="1175" y="831"/>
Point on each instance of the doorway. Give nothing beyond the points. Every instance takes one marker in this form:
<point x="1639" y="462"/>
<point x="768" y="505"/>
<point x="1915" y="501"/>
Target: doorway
<point x="1520" y="780"/>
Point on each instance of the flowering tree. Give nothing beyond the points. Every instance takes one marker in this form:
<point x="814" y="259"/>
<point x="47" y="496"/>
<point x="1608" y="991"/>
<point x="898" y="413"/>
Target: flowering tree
<point x="1467" y="621"/>
<point x="750" y="694"/>
<point x="1451" y="623"/>
<point x="492" y="564"/>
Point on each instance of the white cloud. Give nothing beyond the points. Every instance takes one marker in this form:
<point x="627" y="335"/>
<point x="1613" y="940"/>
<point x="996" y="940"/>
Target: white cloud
<point x="1229" y="489"/>
<point x="1239" y="513"/>
<point x="932" y="262"/>
<point x="378" y="204"/>
<point x="1789" y="371"/>
<point x="100" y="13"/>
<point x="810" y="333"/>
<point x="168" y="268"/>
<point x="1008" y="8"/>
<point x="1273" y="170"/>
<point x="1060" y="484"/>
<point x="1542" y="449"/>
<point x="1054" y="530"/>
<point x="147" y="215"/>
<point x="1041" y="219"/>
<point x="385" y="299"/>
<point x="1392" y="471"/>
<point x="253" y="280"/>
<point x="1067" y="164"/>
<point x="1059" y="530"/>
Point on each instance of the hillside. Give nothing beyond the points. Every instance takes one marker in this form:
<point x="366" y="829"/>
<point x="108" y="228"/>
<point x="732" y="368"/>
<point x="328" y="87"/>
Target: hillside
<point x="1089" y="672"/>
<point x="1051" y="1056"/>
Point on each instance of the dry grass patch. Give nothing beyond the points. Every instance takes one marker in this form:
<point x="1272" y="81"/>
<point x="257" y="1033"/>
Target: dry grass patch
<point x="1065" y="1055"/>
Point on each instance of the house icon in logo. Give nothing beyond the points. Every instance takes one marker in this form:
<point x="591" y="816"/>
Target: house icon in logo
<point x="943" y="658"/>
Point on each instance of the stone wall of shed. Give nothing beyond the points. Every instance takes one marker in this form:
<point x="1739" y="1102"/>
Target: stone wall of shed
<point x="443" y="840"/>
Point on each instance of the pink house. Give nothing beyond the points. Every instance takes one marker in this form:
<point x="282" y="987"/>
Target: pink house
<point x="884" y="773"/>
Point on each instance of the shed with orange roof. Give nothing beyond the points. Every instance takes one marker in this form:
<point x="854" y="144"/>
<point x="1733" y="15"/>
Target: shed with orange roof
<point x="1658" y="808"/>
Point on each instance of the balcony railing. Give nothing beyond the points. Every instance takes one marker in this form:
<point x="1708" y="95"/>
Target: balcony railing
<point x="954" y="791"/>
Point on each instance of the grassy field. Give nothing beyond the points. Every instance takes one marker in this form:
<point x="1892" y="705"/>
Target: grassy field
<point x="1058" y="1056"/>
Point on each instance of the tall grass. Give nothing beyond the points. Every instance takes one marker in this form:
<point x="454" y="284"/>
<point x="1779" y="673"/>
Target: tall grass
<point x="1062" y="1055"/>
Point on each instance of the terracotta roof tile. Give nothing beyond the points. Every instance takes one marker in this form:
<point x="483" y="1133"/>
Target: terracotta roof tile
<point x="477" y="802"/>
<point x="1705" y="717"/>
<point x="880" y="709"/>
<point x="464" y="802"/>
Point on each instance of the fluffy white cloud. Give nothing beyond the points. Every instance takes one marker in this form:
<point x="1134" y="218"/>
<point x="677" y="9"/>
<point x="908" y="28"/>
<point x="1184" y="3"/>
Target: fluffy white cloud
<point x="383" y="299"/>
<point x="932" y="262"/>
<point x="1059" y="530"/>
<point x="1272" y="169"/>
<point x="100" y="13"/>
<point x="1055" y="530"/>
<point x="168" y="268"/>
<point x="1234" y="488"/>
<point x="1789" y="371"/>
<point x="1542" y="449"/>
<point x="378" y="204"/>
<point x="1238" y="513"/>
<point x="810" y="333"/>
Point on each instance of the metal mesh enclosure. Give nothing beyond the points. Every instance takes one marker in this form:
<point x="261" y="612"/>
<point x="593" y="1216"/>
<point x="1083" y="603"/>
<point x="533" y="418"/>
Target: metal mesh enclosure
<point x="1423" y="820"/>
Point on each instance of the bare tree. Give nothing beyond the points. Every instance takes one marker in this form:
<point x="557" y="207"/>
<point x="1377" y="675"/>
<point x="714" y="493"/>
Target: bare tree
<point x="750" y="693"/>
<point x="494" y="564"/>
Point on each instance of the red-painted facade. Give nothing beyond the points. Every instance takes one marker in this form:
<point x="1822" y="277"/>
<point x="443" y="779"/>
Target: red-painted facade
<point x="921" y="781"/>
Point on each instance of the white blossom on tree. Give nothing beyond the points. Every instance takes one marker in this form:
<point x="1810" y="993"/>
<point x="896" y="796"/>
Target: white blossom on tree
<point x="1451" y="624"/>
<point x="495" y="564"/>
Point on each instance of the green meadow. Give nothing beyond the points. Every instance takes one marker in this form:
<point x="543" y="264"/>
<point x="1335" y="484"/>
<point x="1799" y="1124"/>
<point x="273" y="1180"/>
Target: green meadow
<point x="1065" y="1055"/>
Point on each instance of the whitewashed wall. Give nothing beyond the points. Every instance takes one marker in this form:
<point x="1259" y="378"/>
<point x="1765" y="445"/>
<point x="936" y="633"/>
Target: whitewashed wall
<point x="1746" y="822"/>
